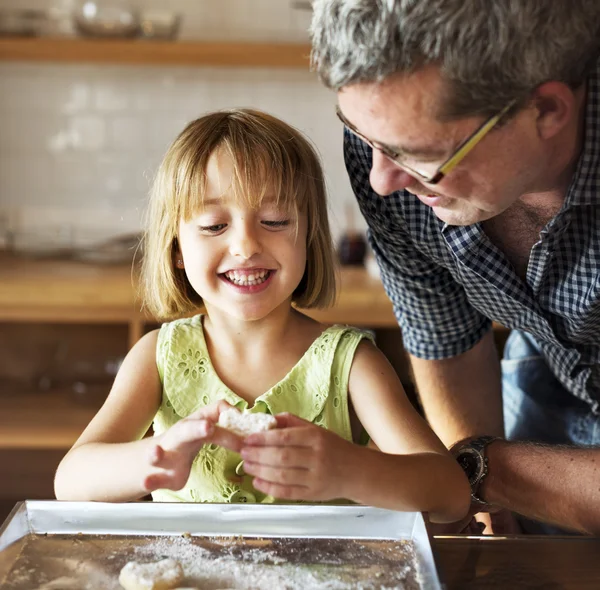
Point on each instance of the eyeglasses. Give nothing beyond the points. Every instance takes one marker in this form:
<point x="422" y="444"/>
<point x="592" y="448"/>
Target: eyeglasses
<point x="436" y="175"/>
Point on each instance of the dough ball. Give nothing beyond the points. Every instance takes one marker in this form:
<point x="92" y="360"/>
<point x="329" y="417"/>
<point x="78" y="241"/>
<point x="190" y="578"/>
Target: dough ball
<point x="247" y="423"/>
<point x="159" y="575"/>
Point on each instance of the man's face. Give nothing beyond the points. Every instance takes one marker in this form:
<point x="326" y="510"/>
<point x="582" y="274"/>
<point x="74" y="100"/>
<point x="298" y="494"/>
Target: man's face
<point x="401" y="114"/>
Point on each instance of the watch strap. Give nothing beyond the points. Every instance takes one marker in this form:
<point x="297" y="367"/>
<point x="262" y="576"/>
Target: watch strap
<point x="479" y="444"/>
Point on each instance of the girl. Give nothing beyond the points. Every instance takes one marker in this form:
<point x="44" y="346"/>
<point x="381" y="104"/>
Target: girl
<point x="238" y="225"/>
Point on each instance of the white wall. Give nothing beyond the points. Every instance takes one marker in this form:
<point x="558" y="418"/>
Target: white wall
<point x="79" y="143"/>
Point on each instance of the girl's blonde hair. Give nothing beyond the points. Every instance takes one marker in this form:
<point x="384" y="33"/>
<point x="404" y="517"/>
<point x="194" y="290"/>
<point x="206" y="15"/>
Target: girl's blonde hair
<point x="268" y="156"/>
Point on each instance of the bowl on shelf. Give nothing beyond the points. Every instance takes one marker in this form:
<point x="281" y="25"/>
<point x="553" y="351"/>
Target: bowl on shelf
<point x="106" y="19"/>
<point x="21" y="22"/>
<point x="50" y="241"/>
<point x="159" y="24"/>
<point x="120" y="249"/>
<point x="69" y="243"/>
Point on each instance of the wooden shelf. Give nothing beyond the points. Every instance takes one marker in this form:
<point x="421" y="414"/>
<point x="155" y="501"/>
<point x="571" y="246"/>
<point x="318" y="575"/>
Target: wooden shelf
<point x="143" y="52"/>
<point x="60" y="291"/>
<point x="53" y="284"/>
<point x="362" y="301"/>
<point x="74" y="292"/>
<point x="46" y="419"/>
<point x="64" y="291"/>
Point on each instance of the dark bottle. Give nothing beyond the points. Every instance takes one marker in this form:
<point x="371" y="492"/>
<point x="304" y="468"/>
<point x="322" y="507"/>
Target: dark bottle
<point x="352" y="248"/>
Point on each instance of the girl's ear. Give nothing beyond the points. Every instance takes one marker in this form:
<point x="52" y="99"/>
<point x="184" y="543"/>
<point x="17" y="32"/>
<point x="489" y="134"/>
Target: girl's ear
<point x="177" y="256"/>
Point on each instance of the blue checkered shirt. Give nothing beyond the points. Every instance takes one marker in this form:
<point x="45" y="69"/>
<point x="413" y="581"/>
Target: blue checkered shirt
<point x="447" y="283"/>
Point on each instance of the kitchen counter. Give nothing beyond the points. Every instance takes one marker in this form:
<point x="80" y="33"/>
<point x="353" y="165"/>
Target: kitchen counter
<point x="518" y="562"/>
<point x="67" y="291"/>
<point x="61" y="291"/>
<point x="515" y="562"/>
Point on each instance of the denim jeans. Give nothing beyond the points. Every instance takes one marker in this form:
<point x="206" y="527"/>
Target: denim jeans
<point x="538" y="408"/>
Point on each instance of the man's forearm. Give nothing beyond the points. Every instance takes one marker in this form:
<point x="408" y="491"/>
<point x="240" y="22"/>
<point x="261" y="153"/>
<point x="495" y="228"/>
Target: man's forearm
<point x="560" y="485"/>
<point x="462" y="396"/>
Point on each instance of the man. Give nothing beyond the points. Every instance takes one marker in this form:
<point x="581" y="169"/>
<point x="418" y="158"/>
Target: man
<point x="479" y="122"/>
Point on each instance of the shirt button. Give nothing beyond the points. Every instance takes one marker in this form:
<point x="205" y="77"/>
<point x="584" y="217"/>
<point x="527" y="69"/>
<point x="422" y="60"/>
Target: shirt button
<point x="242" y="497"/>
<point x="239" y="470"/>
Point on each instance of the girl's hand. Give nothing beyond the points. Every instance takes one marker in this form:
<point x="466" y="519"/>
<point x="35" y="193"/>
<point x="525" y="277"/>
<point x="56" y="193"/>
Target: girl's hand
<point x="298" y="460"/>
<point x="174" y="451"/>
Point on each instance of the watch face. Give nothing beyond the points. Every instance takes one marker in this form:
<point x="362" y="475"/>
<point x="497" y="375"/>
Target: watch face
<point x="470" y="464"/>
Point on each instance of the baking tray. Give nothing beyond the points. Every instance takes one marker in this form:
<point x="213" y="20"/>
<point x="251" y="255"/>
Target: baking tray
<point x="50" y="545"/>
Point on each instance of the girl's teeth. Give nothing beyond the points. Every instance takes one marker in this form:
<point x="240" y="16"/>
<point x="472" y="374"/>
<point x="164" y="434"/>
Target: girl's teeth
<point x="247" y="280"/>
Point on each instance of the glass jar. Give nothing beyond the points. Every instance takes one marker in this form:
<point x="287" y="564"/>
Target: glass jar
<point x="112" y="18"/>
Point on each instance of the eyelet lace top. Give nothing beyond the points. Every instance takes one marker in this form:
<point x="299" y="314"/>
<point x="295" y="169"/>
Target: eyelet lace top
<point x="315" y="389"/>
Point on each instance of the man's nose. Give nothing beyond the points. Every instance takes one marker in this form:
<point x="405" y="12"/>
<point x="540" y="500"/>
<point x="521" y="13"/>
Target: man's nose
<point x="386" y="177"/>
<point x="245" y="241"/>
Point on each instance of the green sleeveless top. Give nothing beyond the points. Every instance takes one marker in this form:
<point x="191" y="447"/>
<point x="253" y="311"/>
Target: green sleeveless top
<point x="315" y="389"/>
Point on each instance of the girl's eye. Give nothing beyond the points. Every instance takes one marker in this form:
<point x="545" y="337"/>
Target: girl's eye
<point x="213" y="229"/>
<point x="279" y="223"/>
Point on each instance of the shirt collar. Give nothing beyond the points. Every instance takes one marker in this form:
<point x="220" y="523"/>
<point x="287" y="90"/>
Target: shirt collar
<point x="585" y="185"/>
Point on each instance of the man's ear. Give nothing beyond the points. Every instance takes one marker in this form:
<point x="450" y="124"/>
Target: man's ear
<point x="556" y="106"/>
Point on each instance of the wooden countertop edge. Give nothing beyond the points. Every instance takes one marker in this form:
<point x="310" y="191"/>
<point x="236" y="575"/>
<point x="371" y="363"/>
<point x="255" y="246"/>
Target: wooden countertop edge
<point x="66" y="291"/>
<point x="60" y="290"/>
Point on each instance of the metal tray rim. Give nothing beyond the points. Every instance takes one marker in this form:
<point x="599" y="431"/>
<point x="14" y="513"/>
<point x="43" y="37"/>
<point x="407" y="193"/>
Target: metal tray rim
<point x="255" y="520"/>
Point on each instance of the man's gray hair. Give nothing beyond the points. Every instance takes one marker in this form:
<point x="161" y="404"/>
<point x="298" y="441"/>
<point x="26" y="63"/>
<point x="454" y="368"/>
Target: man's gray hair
<point x="489" y="51"/>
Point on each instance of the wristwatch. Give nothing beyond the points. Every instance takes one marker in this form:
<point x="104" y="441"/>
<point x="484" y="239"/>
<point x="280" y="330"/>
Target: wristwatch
<point x="470" y="455"/>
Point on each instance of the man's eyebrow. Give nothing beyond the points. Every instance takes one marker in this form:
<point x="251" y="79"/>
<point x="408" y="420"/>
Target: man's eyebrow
<point x="416" y="151"/>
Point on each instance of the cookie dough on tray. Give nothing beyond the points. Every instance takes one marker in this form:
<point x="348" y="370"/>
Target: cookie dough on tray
<point x="247" y="423"/>
<point x="159" y="575"/>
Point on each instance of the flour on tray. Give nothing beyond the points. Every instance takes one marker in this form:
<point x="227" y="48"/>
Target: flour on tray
<point x="287" y="564"/>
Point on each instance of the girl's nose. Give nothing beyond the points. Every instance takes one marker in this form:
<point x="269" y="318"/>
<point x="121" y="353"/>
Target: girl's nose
<point x="245" y="242"/>
<point x="386" y="177"/>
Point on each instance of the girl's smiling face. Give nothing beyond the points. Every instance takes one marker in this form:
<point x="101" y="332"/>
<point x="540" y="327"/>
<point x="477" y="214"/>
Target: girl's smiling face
<point x="243" y="261"/>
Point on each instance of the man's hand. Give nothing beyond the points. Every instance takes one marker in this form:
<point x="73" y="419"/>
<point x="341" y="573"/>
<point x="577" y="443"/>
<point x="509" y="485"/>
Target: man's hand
<point x="500" y="522"/>
<point x="481" y="519"/>
<point x="497" y="522"/>
<point x="170" y="459"/>
<point x="298" y="460"/>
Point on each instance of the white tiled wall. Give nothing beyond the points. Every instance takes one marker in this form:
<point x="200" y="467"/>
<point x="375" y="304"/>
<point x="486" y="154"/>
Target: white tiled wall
<point x="79" y="143"/>
<point x="281" y="20"/>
